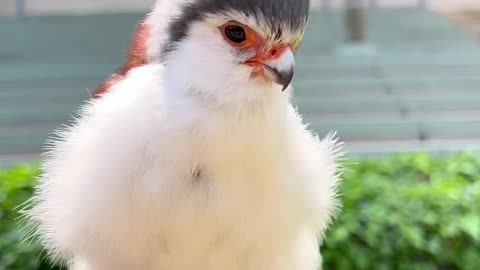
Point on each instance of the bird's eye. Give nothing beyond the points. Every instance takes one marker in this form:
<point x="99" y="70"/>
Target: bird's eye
<point x="239" y="35"/>
<point x="235" y="34"/>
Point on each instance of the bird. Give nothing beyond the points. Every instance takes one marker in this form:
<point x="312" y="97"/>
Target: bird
<point x="192" y="155"/>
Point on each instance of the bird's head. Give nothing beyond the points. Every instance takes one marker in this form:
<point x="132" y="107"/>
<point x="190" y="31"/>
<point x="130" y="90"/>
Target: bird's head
<point x="241" y="49"/>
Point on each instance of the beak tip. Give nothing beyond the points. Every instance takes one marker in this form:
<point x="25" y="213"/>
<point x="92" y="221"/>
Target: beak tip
<point x="287" y="80"/>
<point x="285" y="86"/>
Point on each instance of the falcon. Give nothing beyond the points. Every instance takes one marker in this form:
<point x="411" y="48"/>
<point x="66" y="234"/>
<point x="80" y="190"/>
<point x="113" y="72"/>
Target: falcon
<point x="191" y="156"/>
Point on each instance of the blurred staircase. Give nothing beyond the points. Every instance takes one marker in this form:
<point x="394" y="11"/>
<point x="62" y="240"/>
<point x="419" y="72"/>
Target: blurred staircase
<point x="420" y="92"/>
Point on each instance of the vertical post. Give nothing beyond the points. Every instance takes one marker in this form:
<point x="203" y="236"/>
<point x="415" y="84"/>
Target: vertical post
<point x="422" y="4"/>
<point x="355" y="21"/>
<point x="20" y="9"/>
<point x="373" y="4"/>
<point x="326" y="4"/>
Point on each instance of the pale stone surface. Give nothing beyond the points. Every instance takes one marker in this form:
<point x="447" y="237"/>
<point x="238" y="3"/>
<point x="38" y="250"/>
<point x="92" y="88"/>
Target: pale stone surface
<point x="432" y="4"/>
<point x="46" y="7"/>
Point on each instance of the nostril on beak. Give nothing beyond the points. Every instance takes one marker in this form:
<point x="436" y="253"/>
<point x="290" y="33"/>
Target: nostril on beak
<point x="281" y="69"/>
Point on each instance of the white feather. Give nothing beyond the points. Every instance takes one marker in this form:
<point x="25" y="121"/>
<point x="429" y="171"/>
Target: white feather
<point x="188" y="165"/>
<point x="118" y="192"/>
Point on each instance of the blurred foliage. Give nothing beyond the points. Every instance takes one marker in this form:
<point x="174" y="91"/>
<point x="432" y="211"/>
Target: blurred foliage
<point x="16" y="187"/>
<point x="403" y="212"/>
<point x="408" y="212"/>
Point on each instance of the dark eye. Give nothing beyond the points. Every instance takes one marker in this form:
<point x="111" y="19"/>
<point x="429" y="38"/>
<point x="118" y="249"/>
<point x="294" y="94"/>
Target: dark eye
<point x="236" y="34"/>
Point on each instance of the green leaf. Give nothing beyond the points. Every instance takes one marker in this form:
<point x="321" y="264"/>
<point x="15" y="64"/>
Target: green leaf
<point x="471" y="225"/>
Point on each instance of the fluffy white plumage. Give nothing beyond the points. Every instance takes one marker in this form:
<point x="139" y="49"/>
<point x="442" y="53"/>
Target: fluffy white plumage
<point x="188" y="164"/>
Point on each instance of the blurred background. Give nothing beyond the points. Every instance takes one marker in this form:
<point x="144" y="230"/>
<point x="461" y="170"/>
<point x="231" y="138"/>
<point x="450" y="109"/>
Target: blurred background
<point x="399" y="80"/>
<point x="389" y="76"/>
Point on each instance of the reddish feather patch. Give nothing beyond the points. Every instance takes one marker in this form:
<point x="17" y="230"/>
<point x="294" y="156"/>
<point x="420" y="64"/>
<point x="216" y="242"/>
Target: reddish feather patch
<point x="137" y="56"/>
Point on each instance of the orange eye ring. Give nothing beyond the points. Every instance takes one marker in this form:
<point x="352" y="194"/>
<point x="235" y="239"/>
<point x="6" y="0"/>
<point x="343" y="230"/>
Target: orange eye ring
<point x="239" y="35"/>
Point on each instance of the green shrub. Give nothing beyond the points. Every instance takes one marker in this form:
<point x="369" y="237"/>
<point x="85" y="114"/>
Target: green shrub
<point x="408" y="212"/>
<point x="404" y="212"/>
<point x="15" y="189"/>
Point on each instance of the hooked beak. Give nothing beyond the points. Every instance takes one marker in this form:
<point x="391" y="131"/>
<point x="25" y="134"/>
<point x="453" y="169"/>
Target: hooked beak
<point x="281" y="70"/>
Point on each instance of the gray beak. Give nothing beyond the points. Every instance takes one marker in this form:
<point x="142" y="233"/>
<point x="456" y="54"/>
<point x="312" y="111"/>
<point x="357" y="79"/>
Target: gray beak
<point x="281" y="70"/>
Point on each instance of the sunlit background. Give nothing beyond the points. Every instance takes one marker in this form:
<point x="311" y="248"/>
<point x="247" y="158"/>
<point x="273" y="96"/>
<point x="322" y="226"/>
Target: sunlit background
<point x="391" y="76"/>
<point x="401" y="76"/>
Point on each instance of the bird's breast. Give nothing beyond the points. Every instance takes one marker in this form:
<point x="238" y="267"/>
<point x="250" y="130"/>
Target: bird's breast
<point x="218" y="203"/>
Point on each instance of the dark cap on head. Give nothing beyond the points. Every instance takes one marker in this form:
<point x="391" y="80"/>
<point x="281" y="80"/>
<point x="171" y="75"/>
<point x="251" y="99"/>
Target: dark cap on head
<point x="276" y="13"/>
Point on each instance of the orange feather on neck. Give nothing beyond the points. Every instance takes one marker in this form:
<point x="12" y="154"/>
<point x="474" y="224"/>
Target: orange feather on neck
<point x="137" y="56"/>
